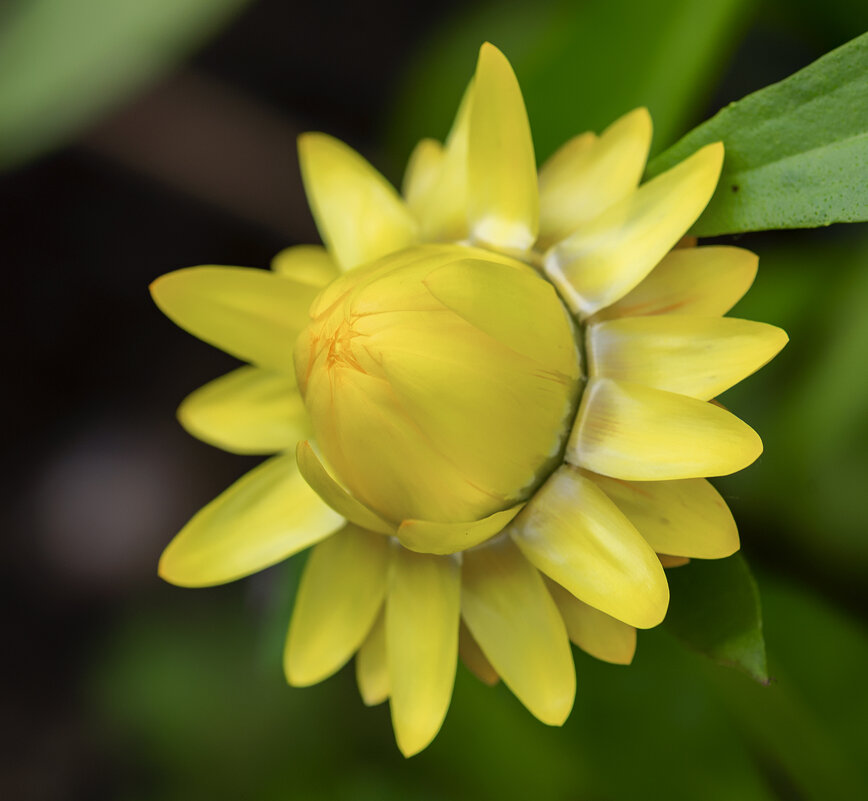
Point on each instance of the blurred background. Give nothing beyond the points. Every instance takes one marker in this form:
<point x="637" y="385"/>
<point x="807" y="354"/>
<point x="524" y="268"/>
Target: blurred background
<point x="141" y="137"/>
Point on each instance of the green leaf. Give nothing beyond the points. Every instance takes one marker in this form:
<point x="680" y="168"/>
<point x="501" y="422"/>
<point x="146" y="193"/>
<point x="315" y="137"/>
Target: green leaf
<point x="715" y="610"/>
<point x="64" y="62"/>
<point x="580" y="65"/>
<point x="796" y="151"/>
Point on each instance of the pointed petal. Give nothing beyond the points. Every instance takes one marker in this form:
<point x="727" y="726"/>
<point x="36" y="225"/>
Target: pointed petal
<point x="706" y="281"/>
<point x="589" y="174"/>
<point x="359" y="215"/>
<point x="606" y="258"/>
<point x="684" y="518"/>
<point x="249" y="410"/>
<point x="575" y="535"/>
<point x="341" y="592"/>
<point x="420" y="177"/>
<point x="672" y="561"/>
<point x="696" y="356"/>
<point x="642" y="434"/>
<point x="472" y="656"/>
<point x="315" y="474"/>
<point x="515" y="621"/>
<point x="503" y="201"/>
<point x="252" y="314"/>
<point x="372" y="669"/>
<point x="307" y="264"/>
<point x="595" y="632"/>
<point x="443" y="211"/>
<point x="425" y="536"/>
<point x="267" y="515"/>
<point x="422" y="615"/>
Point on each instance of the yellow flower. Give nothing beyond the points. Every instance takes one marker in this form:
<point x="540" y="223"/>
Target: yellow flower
<point x="491" y="402"/>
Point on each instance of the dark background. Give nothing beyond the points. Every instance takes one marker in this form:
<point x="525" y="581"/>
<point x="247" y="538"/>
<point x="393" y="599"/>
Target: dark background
<point x="115" y="685"/>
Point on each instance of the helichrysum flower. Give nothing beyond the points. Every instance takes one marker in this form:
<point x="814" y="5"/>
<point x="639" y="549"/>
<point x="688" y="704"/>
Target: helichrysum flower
<point x="491" y="401"/>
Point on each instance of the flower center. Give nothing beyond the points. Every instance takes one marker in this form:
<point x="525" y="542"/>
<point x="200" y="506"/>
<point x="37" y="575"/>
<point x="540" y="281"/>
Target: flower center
<point x="441" y="382"/>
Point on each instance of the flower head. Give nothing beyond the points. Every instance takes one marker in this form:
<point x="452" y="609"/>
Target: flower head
<point x="491" y="401"/>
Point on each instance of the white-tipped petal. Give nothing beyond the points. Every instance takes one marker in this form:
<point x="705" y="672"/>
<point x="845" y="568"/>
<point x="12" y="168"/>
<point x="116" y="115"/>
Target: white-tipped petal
<point x="703" y="281"/>
<point x="696" y="356"/>
<point x="605" y="259"/>
<point x="641" y="434"/>
<point x="589" y="174"/>
<point x="503" y="200"/>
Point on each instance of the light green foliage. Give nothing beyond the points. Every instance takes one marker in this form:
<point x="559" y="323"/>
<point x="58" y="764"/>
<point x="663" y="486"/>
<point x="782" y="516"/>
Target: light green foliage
<point x="63" y="62"/>
<point x="181" y="691"/>
<point x="796" y="152"/>
<point x="806" y="495"/>
<point x="715" y="610"/>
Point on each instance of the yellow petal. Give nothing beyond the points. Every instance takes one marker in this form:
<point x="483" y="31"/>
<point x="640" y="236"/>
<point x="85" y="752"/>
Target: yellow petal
<point x="359" y="214"/>
<point x="705" y="282"/>
<point x="249" y="410"/>
<point x="642" y="434"/>
<point x="672" y="561"/>
<point x="422" y="615"/>
<point x="267" y="515"/>
<point x="573" y="533"/>
<point x="515" y="621"/>
<point x="696" y="356"/>
<point x="606" y="258"/>
<point x="420" y="177"/>
<point x="589" y="174"/>
<point x="340" y="594"/>
<point x="307" y="264"/>
<point x="315" y="474"/>
<point x="685" y="518"/>
<point x="426" y="536"/>
<point x="372" y="669"/>
<point x="442" y="211"/>
<point x="503" y="201"/>
<point x="472" y="656"/>
<point x="252" y="314"/>
<point x="595" y="632"/>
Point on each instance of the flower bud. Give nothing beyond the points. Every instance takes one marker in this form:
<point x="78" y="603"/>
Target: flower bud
<point x="441" y="382"/>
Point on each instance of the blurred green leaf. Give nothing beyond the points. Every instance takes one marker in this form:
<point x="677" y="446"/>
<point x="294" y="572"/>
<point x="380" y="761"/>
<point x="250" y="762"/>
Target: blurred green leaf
<point x="715" y="609"/>
<point x="178" y="687"/>
<point x="64" y="62"/>
<point x="796" y="151"/>
<point x="809" y="724"/>
<point x="805" y="494"/>
<point x="580" y="65"/>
